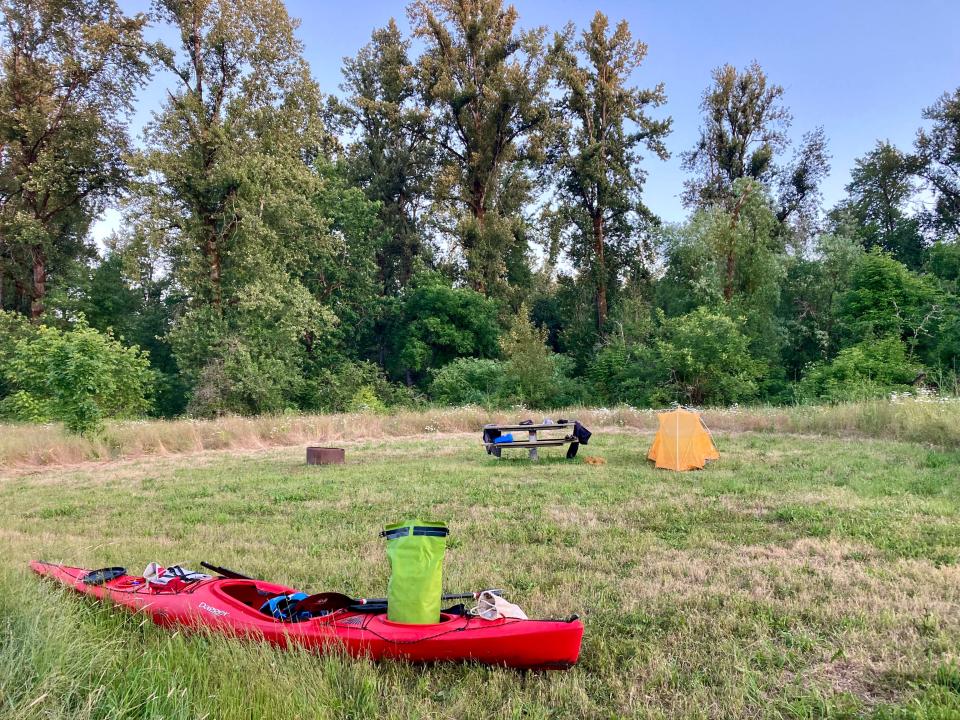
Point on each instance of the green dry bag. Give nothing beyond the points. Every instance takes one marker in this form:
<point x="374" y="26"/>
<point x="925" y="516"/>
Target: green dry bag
<point x="415" y="549"/>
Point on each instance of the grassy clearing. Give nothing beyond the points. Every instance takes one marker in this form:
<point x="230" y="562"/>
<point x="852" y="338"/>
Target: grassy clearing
<point x="799" y="577"/>
<point x="936" y="423"/>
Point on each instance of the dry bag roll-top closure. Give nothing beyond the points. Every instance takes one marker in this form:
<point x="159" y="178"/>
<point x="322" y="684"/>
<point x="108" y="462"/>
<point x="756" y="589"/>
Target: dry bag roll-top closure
<point x="415" y="550"/>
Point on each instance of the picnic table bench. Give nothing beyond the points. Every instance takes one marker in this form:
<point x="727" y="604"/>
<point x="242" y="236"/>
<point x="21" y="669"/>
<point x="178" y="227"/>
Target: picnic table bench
<point x="533" y="440"/>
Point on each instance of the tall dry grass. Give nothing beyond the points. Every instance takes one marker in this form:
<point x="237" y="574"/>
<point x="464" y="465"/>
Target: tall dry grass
<point x="23" y="445"/>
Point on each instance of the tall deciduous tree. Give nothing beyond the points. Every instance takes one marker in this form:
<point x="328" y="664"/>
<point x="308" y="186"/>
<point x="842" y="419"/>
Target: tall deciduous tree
<point x="605" y="123"/>
<point x="231" y="146"/>
<point x="938" y="153"/>
<point x="130" y="294"/>
<point x="881" y="188"/>
<point x="487" y="83"/>
<point x="68" y="72"/>
<point x="808" y="300"/>
<point x="798" y="186"/>
<point x="236" y="170"/>
<point x="745" y="127"/>
<point x="392" y="158"/>
<point x="732" y="261"/>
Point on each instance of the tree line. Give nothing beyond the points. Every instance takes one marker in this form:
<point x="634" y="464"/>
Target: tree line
<point x="463" y="222"/>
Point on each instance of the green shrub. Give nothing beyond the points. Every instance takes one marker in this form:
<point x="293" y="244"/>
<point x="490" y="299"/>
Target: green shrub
<point x="250" y="358"/>
<point x="885" y="297"/>
<point x="79" y="376"/>
<point x="701" y="358"/>
<point x="530" y="367"/>
<point x="366" y="400"/>
<point x="435" y="324"/>
<point x="350" y="385"/>
<point x="566" y="390"/>
<point x="469" y="381"/>
<point x="532" y="375"/>
<point x="14" y="327"/>
<point x="944" y="262"/>
<point x="708" y="359"/>
<point x="629" y="373"/>
<point x="870" y="369"/>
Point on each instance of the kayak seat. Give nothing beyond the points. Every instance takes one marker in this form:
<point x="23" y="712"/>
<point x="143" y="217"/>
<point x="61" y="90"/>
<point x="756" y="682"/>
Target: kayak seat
<point x="284" y="607"/>
<point x="246" y="593"/>
<point x="272" y="604"/>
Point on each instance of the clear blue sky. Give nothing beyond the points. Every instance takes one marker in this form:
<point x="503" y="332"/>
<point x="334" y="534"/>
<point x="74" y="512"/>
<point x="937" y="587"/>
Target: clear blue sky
<point x="863" y="70"/>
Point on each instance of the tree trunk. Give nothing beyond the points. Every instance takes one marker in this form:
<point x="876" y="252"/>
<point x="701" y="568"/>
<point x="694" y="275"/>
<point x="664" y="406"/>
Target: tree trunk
<point x="478" y="208"/>
<point x="20" y="294"/>
<point x="478" y="202"/>
<point x="600" y="268"/>
<point x="730" y="271"/>
<point x="39" y="283"/>
<point x="404" y="268"/>
<point x="729" y="274"/>
<point x="212" y="252"/>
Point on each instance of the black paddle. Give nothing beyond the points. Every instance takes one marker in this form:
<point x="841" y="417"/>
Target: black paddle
<point x="223" y="572"/>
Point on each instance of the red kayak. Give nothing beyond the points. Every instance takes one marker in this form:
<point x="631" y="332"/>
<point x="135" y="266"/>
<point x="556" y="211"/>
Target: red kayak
<point x="233" y="607"/>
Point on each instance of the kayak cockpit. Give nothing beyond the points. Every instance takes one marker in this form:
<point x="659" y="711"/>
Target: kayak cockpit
<point x="248" y="595"/>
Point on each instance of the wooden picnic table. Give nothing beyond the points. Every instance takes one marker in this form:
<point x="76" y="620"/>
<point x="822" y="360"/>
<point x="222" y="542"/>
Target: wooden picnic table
<point x="533" y="440"/>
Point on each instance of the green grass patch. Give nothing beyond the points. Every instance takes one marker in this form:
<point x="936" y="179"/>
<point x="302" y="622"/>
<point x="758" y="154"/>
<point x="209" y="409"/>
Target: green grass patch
<point x="798" y="577"/>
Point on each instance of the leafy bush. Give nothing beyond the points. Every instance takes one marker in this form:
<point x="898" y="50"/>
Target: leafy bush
<point x="469" y="381"/>
<point x="124" y="296"/>
<point x="530" y="367"/>
<point x="366" y="400"/>
<point x="532" y="375"/>
<point x="79" y="376"/>
<point x="630" y="373"/>
<point x="436" y="324"/>
<point x="606" y="371"/>
<point x="870" y="369"/>
<point x="708" y="359"/>
<point x="566" y="390"/>
<point x="886" y="297"/>
<point x="13" y="328"/>
<point x="944" y="262"/>
<point x="700" y="358"/>
<point x="535" y="376"/>
<point x="251" y="358"/>
<point x="349" y="386"/>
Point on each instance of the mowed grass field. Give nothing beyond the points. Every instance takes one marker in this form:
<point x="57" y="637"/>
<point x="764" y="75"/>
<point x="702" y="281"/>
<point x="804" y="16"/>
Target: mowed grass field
<point x="800" y="576"/>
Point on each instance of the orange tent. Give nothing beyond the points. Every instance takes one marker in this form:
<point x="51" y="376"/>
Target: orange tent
<point x="682" y="442"/>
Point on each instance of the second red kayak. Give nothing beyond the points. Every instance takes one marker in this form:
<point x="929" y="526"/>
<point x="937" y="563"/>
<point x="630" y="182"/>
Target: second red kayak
<point x="233" y="607"/>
